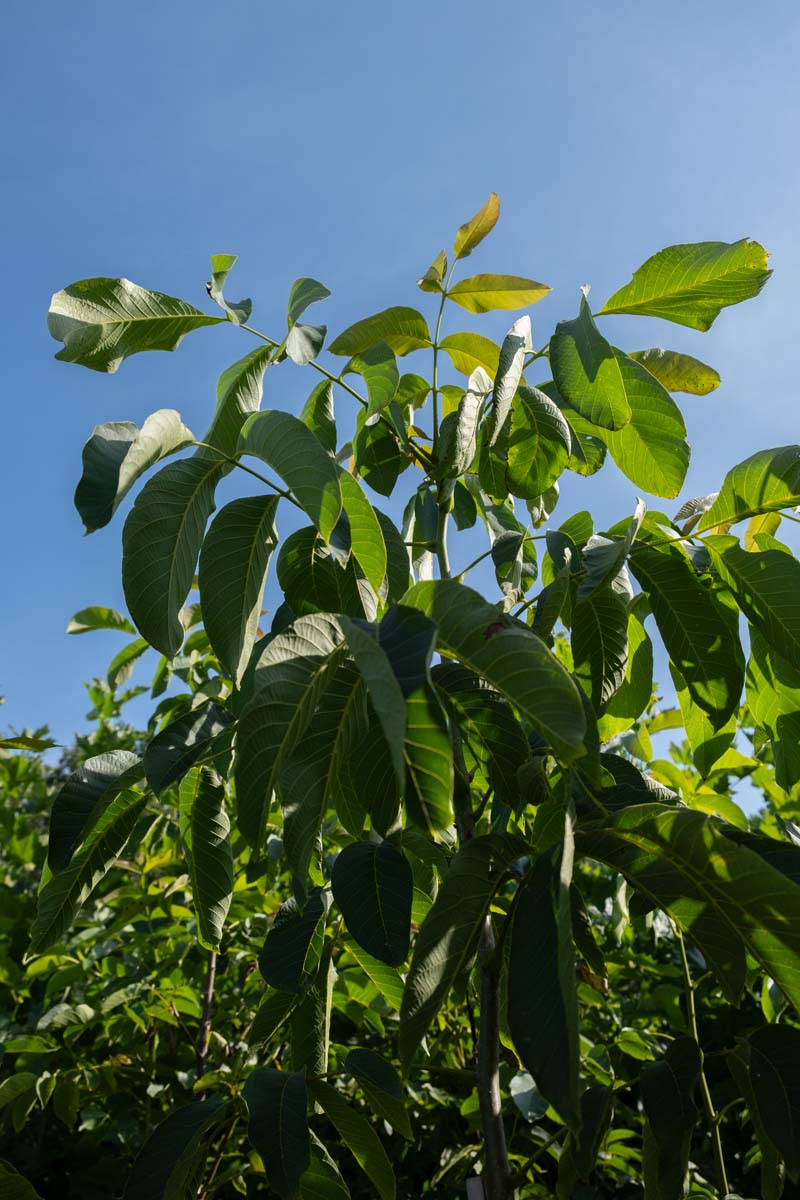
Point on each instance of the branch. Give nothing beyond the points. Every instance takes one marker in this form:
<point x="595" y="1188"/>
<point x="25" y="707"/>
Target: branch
<point x="497" y="1173"/>
<point x="205" y="1023"/>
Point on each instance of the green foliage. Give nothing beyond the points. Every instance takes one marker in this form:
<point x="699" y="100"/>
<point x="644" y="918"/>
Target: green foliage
<point x="436" y="820"/>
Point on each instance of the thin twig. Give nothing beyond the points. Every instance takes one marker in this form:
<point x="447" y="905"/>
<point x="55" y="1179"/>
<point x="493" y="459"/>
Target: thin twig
<point x="205" y="1022"/>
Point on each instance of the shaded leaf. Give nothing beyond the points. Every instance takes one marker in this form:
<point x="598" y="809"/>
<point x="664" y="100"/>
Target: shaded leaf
<point x="180" y="744"/>
<point x="382" y="1087"/>
<point x="667" y="1095"/>
<point x="359" y="1137"/>
<point x="239" y="391"/>
<point x="539" y="444"/>
<point x="83" y="797"/>
<point x="206" y="832"/>
<point x="221" y="264"/>
<point x="293" y="945"/>
<point x="587" y="371"/>
<point x="277" y="1128"/>
<point x="378" y="368"/>
<point x="317" y="414"/>
<point x="373" y="886"/>
<point x="171" y="1161"/>
<point x="516" y="344"/>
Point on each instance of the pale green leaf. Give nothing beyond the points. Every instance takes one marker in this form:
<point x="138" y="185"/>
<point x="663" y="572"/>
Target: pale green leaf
<point x="470" y="350"/>
<point x="485" y="293"/>
<point x="691" y="283"/>
<point x="473" y="231"/>
<point x="99" y="617"/>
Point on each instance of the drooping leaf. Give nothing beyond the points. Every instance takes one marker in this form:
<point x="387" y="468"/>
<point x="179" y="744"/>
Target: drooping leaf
<point x="516" y="344"/>
<point x="290" y="677"/>
<point x="160" y="543"/>
<point x="304" y="342"/>
<point x="122" y="664"/>
<point x="512" y="660"/>
<point x="238" y="311"/>
<point x="16" y="1085"/>
<point x="117" y="454"/>
<point x="678" y="372"/>
<point x="317" y="414"/>
<point x="588" y="371"/>
<point x="322" y="1179"/>
<point x="293" y="945"/>
<point x="429" y="761"/>
<point x="708" y="744"/>
<point x="600" y="644"/>
<point x="232" y="573"/>
<point x="766" y="587"/>
<point x="359" y="1137"/>
<point x="473" y="231"/>
<point x="277" y="1103"/>
<point x="15" y="1186"/>
<point x="765" y="482"/>
<point x="366" y="534"/>
<point x="311" y="1019"/>
<point x="651" y="449"/>
<point x="402" y="329"/>
<point x="378" y="368"/>
<point x="700" y="633"/>
<point x="171" y="1162"/>
<point x="667" y="1095"/>
<point x="542" y="1003"/>
<point x="63" y="895"/>
<point x="773" y="1171"/>
<point x="290" y="448"/>
<point x="775" y="1078"/>
<point x="103" y="321"/>
<point x="470" y="350"/>
<point x="381" y="1085"/>
<point x="725" y="897"/>
<point x="272" y="1012"/>
<point x="458" y="430"/>
<point x="690" y="284"/>
<point x="378" y="457"/>
<point x="539" y="443"/>
<point x="83" y="797"/>
<point x="180" y="744"/>
<point x="773" y="697"/>
<point x="373" y="887"/>
<point x="493" y="738"/>
<point x="308" y="574"/>
<point x="449" y="934"/>
<point x="99" y="617"/>
<point x="206" y="832"/>
<point x="239" y="391"/>
<point x="485" y="293"/>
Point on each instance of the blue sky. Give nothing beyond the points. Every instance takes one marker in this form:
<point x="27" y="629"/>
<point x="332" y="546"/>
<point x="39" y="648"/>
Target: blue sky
<point x="348" y="142"/>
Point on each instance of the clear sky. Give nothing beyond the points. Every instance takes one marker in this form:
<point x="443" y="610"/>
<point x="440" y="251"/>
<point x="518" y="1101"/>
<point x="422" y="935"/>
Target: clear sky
<point x="348" y="141"/>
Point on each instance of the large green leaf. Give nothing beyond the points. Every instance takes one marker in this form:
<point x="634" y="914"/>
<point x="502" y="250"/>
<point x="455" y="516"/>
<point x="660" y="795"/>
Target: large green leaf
<point x="678" y="372"/>
<point x="239" y="391"/>
<point x="588" y="371"/>
<point x="15" y="1186"/>
<point x="402" y="329"/>
<point x="206" y="832"/>
<point x="539" y="444"/>
<point x="103" y="321"/>
<point x="381" y="1085"/>
<point x="765" y="482"/>
<point x="231" y="575"/>
<point x="304" y="292"/>
<point x="724" y="896"/>
<point x="292" y="450"/>
<point x="514" y="661"/>
<point x="450" y="932"/>
<point x="83" y="797"/>
<point x="373" y="887"/>
<point x="470" y="350"/>
<point x="691" y="283"/>
<point x="493" y="739"/>
<point x="170" y="1164"/>
<point x="516" y="344"/>
<point x="773" y="1171"/>
<point x="278" y="1128"/>
<point x="485" y="293"/>
<point x="366" y="533"/>
<point x="667" y="1096"/>
<point x="122" y="664"/>
<point x="473" y="231"/>
<point x="293" y="945"/>
<point x="359" y="1137"/>
<point x="542" y="1002"/>
<point x="290" y="678"/>
<point x="179" y="745"/>
<point x="322" y="1180"/>
<point x="775" y="1079"/>
<point x="700" y="634"/>
<point x="766" y="587"/>
<point x="62" y="896"/>
<point x="117" y="454"/>
<point x="160" y="543"/>
<point x="600" y="644"/>
<point x="651" y="449"/>
<point x="773" y="697"/>
<point x="429" y="761"/>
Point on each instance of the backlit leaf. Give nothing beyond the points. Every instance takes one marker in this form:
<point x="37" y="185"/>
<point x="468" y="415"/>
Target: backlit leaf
<point x="485" y="293"/>
<point x="473" y="231"/>
<point x="402" y="329"/>
<point x="678" y="372"/>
